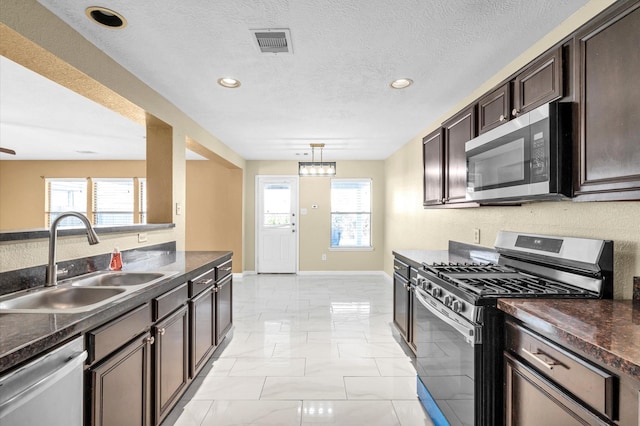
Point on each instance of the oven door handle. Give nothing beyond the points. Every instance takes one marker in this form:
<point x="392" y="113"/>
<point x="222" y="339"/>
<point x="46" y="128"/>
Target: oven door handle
<point x="469" y="332"/>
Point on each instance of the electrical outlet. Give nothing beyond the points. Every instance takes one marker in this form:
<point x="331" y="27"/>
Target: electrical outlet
<point x="178" y="209"/>
<point x="142" y="237"/>
<point x="324" y="256"/>
<point x="476" y="236"/>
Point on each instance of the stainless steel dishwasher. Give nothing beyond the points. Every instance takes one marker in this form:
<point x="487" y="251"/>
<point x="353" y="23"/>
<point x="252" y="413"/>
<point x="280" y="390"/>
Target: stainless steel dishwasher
<point x="45" y="391"/>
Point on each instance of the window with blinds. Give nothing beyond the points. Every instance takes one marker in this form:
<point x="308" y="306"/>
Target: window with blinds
<point x="63" y="195"/>
<point x="113" y="202"/>
<point x="351" y="213"/>
<point x="105" y="201"/>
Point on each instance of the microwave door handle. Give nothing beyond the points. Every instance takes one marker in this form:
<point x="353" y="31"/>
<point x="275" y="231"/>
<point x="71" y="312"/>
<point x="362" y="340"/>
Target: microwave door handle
<point x="468" y="332"/>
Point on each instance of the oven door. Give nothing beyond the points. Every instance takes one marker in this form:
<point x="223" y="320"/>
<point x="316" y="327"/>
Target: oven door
<point x="447" y="346"/>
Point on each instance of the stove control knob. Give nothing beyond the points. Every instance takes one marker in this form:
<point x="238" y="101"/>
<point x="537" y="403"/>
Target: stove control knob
<point x="435" y="292"/>
<point x="457" y="306"/>
<point x="447" y="300"/>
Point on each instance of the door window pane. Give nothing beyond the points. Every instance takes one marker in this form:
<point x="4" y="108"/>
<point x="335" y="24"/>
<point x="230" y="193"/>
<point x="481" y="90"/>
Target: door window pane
<point x="277" y="205"/>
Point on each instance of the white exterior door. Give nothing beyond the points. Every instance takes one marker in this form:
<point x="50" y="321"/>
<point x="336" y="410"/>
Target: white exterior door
<point x="276" y="224"/>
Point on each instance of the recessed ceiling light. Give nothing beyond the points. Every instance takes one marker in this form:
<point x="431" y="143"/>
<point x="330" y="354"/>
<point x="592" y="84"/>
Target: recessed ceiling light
<point x="106" y="17"/>
<point x="230" y="83"/>
<point x="401" y="83"/>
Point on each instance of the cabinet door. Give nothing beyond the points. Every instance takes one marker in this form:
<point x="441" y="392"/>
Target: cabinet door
<point x="457" y="132"/>
<point x="224" y="315"/>
<point x="538" y="84"/>
<point x="202" y="327"/>
<point x="531" y="400"/>
<point x="171" y="361"/>
<point x="401" y="305"/>
<point x="494" y="108"/>
<point x="120" y="386"/>
<point x="609" y="146"/>
<point x="433" y="165"/>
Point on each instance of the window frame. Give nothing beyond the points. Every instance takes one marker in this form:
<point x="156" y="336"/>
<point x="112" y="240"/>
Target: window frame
<point x="368" y="247"/>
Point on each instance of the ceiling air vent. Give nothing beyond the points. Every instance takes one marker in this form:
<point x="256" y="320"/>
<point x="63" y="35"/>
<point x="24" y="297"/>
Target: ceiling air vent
<point x="273" y="40"/>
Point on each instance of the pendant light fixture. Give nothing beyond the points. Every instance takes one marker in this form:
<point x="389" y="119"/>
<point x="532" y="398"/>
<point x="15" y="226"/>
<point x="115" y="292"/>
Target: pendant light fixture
<point x="313" y="168"/>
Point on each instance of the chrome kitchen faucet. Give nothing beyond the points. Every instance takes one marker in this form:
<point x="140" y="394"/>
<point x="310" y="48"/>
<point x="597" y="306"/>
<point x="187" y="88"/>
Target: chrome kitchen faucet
<point x="52" y="267"/>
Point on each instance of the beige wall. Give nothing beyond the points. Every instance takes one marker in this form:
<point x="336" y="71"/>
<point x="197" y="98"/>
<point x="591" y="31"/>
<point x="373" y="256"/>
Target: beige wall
<point x="22" y="186"/>
<point x="214" y="209"/>
<point x="409" y="226"/>
<point x="315" y="227"/>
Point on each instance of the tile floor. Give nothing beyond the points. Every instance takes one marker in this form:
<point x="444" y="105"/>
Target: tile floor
<point x="307" y="350"/>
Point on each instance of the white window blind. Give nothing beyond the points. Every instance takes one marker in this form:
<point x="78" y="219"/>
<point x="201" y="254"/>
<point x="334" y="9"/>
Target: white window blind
<point x="65" y="195"/>
<point x="113" y="201"/>
<point x="351" y="213"/>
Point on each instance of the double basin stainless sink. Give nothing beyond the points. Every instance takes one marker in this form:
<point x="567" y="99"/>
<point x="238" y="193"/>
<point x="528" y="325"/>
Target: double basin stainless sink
<point x="80" y="294"/>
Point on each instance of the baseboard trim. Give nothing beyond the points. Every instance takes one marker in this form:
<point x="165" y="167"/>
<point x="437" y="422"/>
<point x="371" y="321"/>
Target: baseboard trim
<point x="341" y="273"/>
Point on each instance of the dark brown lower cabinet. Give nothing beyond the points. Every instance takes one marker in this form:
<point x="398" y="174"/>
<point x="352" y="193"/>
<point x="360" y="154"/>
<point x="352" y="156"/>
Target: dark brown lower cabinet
<point x="401" y="305"/>
<point x="171" y="359"/>
<point x="202" y="329"/>
<point x="120" y="386"/>
<point x="223" y="312"/>
<point x="532" y="400"/>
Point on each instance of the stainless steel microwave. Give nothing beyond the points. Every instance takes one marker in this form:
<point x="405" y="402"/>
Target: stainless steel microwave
<point x="528" y="158"/>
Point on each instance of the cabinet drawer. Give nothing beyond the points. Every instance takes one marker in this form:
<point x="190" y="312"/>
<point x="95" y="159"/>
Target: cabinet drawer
<point x="202" y="282"/>
<point x="170" y="301"/>
<point x="401" y="268"/>
<point x="586" y="381"/>
<point x="104" y="340"/>
<point x="223" y="270"/>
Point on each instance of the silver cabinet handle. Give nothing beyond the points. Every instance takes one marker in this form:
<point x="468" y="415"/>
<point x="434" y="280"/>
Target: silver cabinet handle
<point x="502" y="117"/>
<point x="150" y="340"/>
<point x="161" y="331"/>
<point x="546" y="363"/>
<point x="515" y="112"/>
<point x="204" y="282"/>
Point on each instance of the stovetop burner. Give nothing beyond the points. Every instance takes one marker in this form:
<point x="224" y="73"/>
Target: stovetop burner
<point x="491" y="280"/>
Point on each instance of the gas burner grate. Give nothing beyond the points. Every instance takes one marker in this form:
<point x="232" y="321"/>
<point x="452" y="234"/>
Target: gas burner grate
<point x="488" y="279"/>
<point x="516" y="286"/>
<point x="465" y="268"/>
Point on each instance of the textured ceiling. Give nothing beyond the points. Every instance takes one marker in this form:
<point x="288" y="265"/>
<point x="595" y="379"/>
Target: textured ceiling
<point x="334" y="88"/>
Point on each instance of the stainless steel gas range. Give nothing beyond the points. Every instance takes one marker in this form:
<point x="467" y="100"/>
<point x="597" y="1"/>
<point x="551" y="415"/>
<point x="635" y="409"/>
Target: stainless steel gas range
<point x="459" y="331"/>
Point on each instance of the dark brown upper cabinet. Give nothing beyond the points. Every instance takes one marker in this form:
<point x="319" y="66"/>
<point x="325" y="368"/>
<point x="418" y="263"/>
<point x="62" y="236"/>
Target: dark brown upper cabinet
<point x="608" y="149"/>
<point x="458" y="130"/>
<point x="539" y="83"/>
<point x="494" y="108"/>
<point x="433" y="166"/>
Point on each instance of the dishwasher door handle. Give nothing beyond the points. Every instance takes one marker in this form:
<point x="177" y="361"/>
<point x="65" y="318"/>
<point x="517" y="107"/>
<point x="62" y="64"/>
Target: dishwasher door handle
<point x="35" y="389"/>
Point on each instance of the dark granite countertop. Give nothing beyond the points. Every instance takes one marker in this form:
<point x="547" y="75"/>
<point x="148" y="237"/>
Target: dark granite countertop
<point x="607" y="331"/>
<point x="23" y="336"/>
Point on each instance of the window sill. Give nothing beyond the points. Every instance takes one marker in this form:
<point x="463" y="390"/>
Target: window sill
<point x="351" y="248"/>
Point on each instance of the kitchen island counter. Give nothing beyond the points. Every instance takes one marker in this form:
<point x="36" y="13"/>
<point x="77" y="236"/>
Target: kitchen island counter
<point x="24" y="335"/>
